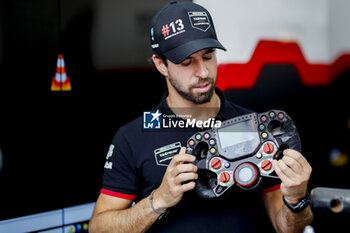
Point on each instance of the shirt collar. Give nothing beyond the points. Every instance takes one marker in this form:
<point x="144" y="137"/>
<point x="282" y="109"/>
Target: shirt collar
<point x="226" y="111"/>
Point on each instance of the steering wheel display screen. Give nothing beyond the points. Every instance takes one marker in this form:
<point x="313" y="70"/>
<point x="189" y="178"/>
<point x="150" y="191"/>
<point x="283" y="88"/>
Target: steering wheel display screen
<point x="238" y="139"/>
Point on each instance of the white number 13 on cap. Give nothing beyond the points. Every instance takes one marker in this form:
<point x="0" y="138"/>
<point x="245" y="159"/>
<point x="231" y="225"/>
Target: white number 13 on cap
<point x="179" y="25"/>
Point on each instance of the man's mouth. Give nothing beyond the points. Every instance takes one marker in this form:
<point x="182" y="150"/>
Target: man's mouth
<point x="201" y="88"/>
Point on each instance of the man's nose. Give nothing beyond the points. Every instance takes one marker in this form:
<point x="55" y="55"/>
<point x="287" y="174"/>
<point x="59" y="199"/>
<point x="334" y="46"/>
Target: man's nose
<point x="201" y="69"/>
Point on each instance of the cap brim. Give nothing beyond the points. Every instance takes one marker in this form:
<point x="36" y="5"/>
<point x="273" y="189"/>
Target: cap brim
<point x="179" y="54"/>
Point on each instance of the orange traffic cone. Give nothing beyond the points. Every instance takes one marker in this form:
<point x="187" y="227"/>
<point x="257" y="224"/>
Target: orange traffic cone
<point x="60" y="82"/>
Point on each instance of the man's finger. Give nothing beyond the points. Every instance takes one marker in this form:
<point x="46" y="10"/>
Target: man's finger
<point x="186" y="167"/>
<point x="188" y="186"/>
<point x="280" y="173"/>
<point x="291" y="163"/>
<point x="182" y="158"/>
<point x="306" y="167"/>
<point x="295" y="155"/>
<point x="184" y="177"/>
<point x="285" y="169"/>
<point x="183" y="168"/>
<point x="182" y="150"/>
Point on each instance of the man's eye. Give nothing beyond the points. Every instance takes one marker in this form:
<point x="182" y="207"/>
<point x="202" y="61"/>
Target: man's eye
<point x="186" y="62"/>
<point x="207" y="57"/>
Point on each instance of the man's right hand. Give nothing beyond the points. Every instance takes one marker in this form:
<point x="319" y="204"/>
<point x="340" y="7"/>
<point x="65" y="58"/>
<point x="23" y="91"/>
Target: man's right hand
<point x="178" y="178"/>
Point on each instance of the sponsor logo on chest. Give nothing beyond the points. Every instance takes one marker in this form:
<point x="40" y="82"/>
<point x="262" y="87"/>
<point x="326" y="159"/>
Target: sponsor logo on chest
<point x="163" y="155"/>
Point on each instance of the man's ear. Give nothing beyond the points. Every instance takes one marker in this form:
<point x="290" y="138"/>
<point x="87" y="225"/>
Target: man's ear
<point x="160" y="65"/>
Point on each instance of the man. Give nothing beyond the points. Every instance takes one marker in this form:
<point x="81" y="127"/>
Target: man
<point x="183" y="39"/>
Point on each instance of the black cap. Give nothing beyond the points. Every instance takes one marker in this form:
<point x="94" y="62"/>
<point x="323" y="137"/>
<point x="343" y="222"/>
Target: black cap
<point x="180" y="29"/>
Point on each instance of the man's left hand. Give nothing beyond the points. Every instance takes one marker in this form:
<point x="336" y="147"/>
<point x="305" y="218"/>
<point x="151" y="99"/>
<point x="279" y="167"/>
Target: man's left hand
<point x="294" y="171"/>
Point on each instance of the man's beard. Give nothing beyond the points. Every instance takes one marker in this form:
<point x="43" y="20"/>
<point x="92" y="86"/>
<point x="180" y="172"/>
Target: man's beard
<point x="199" y="98"/>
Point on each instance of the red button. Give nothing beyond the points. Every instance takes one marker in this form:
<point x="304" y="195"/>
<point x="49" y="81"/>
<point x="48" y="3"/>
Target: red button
<point x="266" y="165"/>
<point x="215" y="163"/>
<point x="268" y="148"/>
<point x="224" y="177"/>
<point x="191" y="142"/>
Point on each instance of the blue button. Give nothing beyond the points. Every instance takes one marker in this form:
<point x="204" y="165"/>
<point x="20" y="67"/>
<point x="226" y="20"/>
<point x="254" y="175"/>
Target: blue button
<point x="261" y="126"/>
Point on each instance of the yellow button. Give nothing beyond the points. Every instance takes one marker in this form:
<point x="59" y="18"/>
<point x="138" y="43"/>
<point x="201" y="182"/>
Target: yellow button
<point x="264" y="135"/>
<point x="212" y="150"/>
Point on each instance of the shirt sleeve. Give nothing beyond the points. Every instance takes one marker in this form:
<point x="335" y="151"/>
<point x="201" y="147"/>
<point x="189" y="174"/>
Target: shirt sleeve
<point x="120" y="177"/>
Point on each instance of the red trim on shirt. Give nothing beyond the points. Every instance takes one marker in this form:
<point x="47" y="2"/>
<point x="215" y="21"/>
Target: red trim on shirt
<point x="120" y="195"/>
<point x="273" y="188"/>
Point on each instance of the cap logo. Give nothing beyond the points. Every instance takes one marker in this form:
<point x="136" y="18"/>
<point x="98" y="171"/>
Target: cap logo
<point x="174" y="28"/>
<point x="152" y="34"/>
<point x="199" y="20"/>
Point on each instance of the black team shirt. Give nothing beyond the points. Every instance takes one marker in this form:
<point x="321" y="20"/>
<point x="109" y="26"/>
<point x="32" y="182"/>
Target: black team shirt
<point x="137" y="160"/>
